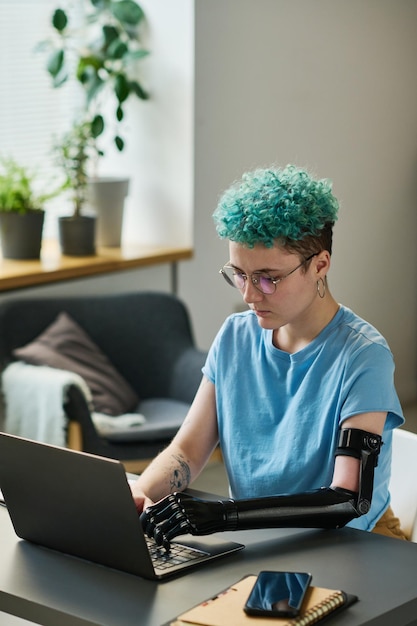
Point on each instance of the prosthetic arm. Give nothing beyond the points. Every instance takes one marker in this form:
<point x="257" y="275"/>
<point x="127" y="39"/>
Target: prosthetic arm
<point x="328" y="507"/>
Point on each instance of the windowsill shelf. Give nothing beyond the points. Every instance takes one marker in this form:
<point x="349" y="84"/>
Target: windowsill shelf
<point x="54" y="267"/>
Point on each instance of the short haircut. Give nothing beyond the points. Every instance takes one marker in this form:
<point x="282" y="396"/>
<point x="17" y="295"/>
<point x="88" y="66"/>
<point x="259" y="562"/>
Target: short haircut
<point x="284" y="206"/>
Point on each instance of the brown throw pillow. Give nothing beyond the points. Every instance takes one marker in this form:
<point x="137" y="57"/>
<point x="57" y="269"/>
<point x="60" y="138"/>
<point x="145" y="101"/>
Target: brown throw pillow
<point x="65" y="345"/>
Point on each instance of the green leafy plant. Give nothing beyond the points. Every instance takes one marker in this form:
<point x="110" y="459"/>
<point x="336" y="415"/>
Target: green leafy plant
<point x="73" y="153"/>
<point x="18" y="188"/>
<point x="101" y="54"/>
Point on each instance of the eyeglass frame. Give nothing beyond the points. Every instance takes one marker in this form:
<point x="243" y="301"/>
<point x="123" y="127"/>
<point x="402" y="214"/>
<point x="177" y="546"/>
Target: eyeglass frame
<point x="255" y="283"/>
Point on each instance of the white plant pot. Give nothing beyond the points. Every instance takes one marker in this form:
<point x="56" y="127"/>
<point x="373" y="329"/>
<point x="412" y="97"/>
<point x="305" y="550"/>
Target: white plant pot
<point x="107" y="196"/>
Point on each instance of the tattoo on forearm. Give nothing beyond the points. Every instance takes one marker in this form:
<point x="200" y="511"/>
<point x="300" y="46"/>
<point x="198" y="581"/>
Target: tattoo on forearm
<point x="180" y="476"/>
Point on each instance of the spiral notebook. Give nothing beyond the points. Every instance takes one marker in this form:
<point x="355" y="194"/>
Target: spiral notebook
<point x="227" y="608"/>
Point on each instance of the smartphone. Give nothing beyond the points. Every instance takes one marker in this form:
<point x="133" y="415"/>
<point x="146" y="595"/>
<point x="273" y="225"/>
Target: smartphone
<point x="278" y="594"/>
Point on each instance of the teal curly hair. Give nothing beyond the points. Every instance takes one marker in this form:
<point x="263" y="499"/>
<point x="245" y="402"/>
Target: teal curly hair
<point x="275" y="204"/>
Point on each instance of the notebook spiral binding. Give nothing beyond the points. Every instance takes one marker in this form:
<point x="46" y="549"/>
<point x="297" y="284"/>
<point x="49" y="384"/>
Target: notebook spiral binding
<point x="316" y="613"/>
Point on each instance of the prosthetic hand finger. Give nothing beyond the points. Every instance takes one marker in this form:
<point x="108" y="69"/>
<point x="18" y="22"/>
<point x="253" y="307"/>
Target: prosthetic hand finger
<point x="165" y="520"/>
<point x="176" y="525"/>
<point x="181" y="513"/>
<point x="157" y="514"/>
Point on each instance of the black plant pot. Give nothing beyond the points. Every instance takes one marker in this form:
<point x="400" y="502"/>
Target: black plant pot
<point x="77" y="235"/>
<point x="21" y="234"/>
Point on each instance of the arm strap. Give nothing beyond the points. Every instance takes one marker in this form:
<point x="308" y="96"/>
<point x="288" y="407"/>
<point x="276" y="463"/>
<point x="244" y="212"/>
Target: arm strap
<point x="364" y="446"/>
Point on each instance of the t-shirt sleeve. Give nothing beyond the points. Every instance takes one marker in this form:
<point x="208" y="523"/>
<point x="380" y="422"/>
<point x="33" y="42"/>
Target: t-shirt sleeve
<point x="369" y="385"/>
<point x="210" y="366"/>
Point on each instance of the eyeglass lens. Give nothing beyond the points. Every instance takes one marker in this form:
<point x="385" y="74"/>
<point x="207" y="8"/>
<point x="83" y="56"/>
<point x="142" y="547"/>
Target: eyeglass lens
<point x="263" y="282"/>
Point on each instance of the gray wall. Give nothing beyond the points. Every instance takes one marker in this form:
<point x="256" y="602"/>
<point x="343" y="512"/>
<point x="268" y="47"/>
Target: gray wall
<point x="330" y="85"/>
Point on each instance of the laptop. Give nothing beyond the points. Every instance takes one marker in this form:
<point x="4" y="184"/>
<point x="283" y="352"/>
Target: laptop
<point x="80" y="504"/>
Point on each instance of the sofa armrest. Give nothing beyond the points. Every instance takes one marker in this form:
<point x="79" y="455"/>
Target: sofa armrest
<point x="74" y="436"/>
<point x="186" y="375"/>
<point x="78" y="413"/>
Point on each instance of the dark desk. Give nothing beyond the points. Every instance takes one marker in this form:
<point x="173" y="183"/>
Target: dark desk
<point x="50" y="589"/>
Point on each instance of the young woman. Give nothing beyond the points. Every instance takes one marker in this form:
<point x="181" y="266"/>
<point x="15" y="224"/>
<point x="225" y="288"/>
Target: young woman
<point x="298" y="390"/>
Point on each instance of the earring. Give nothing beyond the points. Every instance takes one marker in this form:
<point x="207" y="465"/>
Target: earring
<point x="321" y="287"/>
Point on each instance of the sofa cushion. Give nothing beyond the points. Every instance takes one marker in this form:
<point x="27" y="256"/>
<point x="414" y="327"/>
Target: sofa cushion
<point x="163" y="417"/>
<point x="65" y="345"/>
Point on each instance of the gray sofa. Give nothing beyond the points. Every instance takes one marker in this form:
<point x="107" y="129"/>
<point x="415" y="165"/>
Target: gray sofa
<point x="147" y="336"/>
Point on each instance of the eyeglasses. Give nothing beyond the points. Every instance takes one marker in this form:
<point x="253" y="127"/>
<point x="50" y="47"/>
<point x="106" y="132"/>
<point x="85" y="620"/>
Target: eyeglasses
<point x="263" y="282"/>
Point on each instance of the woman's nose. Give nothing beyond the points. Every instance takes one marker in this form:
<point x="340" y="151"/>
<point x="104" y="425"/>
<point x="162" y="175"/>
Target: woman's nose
<point x="250" y="293"/>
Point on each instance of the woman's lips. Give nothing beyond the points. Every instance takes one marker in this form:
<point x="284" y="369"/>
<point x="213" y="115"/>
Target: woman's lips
<point x="261" y="313"/>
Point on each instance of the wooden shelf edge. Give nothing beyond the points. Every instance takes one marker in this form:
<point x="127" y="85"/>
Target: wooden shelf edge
<point x="54" y="267"/>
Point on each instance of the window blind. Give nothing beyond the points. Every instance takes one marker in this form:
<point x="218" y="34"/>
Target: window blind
<point x="32" y="114"/>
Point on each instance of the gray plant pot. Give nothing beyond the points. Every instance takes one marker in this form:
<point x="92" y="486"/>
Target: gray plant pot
<point x="106" y="197"/>
<point x="77" y="235"/>
<point x="21" y="234"/>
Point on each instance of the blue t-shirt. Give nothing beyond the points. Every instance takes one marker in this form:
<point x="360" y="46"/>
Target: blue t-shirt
<point x="279" y="414"/>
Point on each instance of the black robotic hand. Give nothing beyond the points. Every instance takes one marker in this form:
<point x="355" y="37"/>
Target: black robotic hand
<point x="180" y="513"/>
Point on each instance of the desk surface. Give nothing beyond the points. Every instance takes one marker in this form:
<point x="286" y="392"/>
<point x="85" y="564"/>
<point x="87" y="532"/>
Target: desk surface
<point x="54" y="267"/>
<point x="49" y="588"/>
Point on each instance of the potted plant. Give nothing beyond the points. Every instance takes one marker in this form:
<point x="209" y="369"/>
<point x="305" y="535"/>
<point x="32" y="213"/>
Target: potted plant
<point x="101" y="56"/>
<point x="77" y="232"/>
<point x="21" y="211"/>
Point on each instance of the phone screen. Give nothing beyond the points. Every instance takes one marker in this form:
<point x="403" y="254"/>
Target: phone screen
<point x="278" y="594"/>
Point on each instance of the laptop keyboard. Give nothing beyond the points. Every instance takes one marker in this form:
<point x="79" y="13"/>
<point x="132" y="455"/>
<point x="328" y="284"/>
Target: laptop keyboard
<point x="176" y="556"/>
